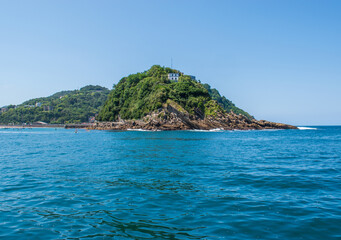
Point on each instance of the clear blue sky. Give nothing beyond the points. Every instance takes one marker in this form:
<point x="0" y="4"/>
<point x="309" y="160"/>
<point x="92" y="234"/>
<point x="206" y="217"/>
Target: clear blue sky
<point x="278" y="60"/>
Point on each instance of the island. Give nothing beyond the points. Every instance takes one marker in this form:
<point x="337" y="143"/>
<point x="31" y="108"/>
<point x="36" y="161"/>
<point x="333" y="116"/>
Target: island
<point x="162" y="98"/>
<point x="159" y="98"/>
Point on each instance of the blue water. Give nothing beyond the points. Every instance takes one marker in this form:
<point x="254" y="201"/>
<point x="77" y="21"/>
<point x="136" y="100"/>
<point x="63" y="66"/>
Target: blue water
<point x="56" y="184"/>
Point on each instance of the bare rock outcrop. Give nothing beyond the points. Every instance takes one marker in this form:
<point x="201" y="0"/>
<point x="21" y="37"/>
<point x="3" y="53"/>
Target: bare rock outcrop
<point x="170" y="117"/>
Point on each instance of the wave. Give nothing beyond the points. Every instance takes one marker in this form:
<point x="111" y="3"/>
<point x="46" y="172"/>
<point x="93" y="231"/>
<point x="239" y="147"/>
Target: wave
<point x="142" y="130"/>
<point x="210" y="130"/>
<point x="306" y="128"/>
<point x="216" y="130"/>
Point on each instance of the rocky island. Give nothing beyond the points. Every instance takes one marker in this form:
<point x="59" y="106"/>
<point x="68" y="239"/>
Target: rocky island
<point x="166" y="99"/>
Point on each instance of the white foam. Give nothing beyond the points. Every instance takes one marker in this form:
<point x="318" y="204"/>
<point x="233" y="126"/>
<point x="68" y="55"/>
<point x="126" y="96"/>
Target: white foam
<point x="210" y="130"/>
<point x="216" y="130"/>
<point x="306" y="128"/>
<point x="142" y="130"/>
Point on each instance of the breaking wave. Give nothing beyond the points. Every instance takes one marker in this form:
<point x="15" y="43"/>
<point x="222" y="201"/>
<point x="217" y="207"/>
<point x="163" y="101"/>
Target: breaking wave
<point x="306" y="128"/>
<point x="210" y="130"/>
<point x="142" y="130"/>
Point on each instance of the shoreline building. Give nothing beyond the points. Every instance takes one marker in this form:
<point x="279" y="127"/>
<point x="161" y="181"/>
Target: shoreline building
<point x="92" y="119"/>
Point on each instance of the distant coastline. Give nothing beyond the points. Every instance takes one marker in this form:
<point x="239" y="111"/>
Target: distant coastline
<point x="83" y="125"/>
<point x="140" y="125"/>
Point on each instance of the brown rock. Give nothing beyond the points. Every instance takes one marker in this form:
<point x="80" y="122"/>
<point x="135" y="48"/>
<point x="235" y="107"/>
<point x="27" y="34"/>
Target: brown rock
<point x="169" y="118"/>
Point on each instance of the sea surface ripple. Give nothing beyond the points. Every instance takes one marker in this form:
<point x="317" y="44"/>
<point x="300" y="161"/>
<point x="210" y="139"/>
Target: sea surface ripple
<point x="58" y="184"/>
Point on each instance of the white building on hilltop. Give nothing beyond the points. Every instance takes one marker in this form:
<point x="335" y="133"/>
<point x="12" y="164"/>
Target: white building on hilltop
<point x="173" y="76"/>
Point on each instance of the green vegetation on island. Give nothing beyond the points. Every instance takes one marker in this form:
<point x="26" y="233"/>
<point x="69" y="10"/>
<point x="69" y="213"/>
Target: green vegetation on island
<point x="63" y="107"/>
<point x="224" y="102"/>
<point x="133" y="97"/>
<point x="139" y="94"/>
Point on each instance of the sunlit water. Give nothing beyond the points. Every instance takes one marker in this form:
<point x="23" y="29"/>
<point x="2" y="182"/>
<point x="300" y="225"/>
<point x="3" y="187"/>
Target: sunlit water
<point x="58" y="184"/>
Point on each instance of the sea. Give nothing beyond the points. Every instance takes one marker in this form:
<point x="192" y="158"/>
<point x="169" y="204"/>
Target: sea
<point x="267" y="184"/>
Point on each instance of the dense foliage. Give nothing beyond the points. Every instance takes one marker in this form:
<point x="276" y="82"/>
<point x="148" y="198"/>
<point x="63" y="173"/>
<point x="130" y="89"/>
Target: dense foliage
<point x="63" y="107"/>
<point x="224" y="102"/>
<point x="139" y="94"/>
<point x="132" y="98"/>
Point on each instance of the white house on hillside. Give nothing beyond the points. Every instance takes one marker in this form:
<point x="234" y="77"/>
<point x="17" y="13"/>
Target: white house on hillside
<point x="173" y="76"/>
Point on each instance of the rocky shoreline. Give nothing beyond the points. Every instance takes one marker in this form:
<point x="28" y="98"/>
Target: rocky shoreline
<point x="169" y="118"/>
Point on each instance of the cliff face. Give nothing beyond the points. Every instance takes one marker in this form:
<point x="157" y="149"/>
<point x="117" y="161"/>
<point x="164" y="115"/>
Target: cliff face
<point x="170" y="118"/>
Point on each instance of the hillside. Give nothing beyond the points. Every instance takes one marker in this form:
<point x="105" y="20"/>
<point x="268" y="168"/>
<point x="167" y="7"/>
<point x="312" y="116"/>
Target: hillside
<point x="153" y="100"/>
<point x="224" y="102"/>
<point x="63" y="107"/>
<point x="149" y="100"/>
<point x="139" y="94"/>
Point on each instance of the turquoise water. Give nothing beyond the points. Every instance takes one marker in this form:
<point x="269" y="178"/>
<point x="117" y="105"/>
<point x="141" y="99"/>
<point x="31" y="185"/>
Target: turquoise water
<point x="56" y="184"/>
